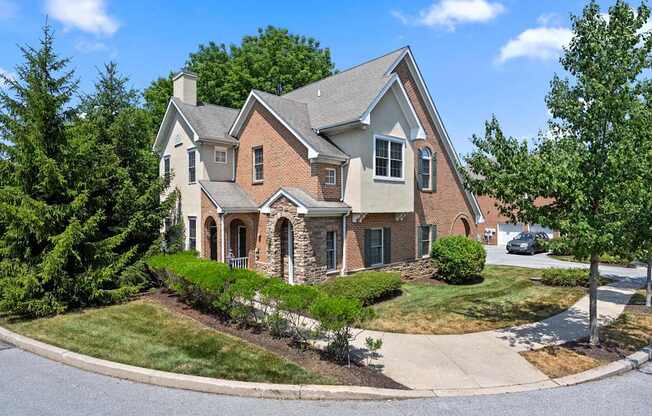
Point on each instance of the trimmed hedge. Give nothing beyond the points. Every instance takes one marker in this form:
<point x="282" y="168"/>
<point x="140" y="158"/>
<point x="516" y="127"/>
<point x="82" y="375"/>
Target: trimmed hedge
<point x="240" y="295"/>
<point x="569" y="278"/>
<point x="458" y="259"/>
<point x="366" y="287"/>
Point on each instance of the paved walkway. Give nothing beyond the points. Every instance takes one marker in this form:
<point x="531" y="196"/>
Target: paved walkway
<point x="491" y="359"/>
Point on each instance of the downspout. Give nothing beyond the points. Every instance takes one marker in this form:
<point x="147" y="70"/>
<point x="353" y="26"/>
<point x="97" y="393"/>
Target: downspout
<point x="223" y="249"/>
<point x="344" y="219"/>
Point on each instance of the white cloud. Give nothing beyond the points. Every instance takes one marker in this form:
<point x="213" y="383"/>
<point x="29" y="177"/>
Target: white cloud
<point x="450" y="13"/>
<point x="89" y="46"/>
<point x="86" y="15"/>
<point x="541" y="43"/>
<point x="7" y="74"/>
<point x="8" y="9"/>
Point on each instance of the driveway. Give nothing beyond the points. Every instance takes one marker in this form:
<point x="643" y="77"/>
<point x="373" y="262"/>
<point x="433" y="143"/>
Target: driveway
<point x="31" y="385"/>
<point x="497" y="255"/>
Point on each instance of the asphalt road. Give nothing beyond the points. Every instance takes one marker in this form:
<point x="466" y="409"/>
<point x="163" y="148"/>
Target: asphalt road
<point x="31" y="385"/>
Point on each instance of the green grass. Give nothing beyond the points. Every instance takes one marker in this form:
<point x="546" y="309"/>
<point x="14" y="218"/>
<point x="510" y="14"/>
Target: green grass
<point x="609" y="260"/>
<point x="145" y="334"/>
<point x="506" y="297"/>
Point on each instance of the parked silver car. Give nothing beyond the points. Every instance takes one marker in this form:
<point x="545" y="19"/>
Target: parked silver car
<point x="528" y="243"/>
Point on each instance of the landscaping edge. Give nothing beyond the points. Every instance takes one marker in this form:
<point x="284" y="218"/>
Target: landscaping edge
<point x="298" y="392"/>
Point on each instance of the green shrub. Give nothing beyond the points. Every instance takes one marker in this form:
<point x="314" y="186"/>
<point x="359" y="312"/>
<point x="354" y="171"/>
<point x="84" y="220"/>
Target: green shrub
<point x="458" y="259"/>
<point x="336" y="317"/>
<point x="366" y="287"/>
<point x="559" y="247"/>
<point x="569" y="277"/>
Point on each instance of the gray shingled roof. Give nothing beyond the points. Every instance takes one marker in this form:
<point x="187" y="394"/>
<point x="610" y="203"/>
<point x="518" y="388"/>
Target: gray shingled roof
<point x="296" y="115"/>
<point x="345" y="96"/>
<point x="311" y="203"/>
<point x="229" y="196"/>
<point x="211" y="122"/>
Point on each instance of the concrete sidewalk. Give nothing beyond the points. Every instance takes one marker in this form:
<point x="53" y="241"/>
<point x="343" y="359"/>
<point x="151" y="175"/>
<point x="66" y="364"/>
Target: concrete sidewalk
<point x="491" y="359"/>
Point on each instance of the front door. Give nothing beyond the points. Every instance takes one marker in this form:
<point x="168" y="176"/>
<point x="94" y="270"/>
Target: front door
<point x="287" y="251"/>
<point x="242" y="242"/>
<point x="213" y="241"/>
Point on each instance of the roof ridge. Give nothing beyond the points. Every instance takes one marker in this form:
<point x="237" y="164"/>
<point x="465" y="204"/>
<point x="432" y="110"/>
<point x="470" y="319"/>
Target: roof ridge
<point x="368" y="61"/>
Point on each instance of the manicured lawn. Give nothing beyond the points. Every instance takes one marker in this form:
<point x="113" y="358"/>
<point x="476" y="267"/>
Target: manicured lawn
<point x="145" y="334"/>
<point x="611" y="261"/>
<point x="506" y="297"/>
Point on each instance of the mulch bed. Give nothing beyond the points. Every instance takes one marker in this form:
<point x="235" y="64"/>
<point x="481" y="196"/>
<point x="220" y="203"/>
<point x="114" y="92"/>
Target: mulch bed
<point x="310" y="359"/>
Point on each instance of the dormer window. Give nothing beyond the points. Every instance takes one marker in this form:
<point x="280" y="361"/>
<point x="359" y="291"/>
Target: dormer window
<point x="331" y="177"/>
<point x="220" y="155"/>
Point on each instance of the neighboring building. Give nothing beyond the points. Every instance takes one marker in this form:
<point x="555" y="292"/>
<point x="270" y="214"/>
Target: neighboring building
<point x="498" y="229"/>
<point x="352" y="172"/>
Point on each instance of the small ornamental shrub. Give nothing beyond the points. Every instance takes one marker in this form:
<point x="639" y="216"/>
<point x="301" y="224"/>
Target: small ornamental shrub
<point x="295" y="302"/>
<point x="336" y="317"/>
<point x="366" y="287"/>
<point x="458" y="259"/>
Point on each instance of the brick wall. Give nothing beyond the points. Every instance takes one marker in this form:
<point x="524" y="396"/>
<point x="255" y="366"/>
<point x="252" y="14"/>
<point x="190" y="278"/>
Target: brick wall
<point x="285" y="160"/>
<point x="446" y="207"/>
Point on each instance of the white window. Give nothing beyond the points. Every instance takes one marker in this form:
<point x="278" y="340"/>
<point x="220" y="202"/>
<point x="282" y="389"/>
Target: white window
<point x="388" y="160"/>
<point x="331" y="250"/>
<point x="331" y="177"/>
<point x="258" y="175"/>
<point x="425" y="161"/>
<point x="166" y="169"/>
<point x="427" y="234"/>
<point x="192" y="168"/>
<point x="375" y="247"/>
<point x="220" y="155"/>
<point x="177" y="140"/>
<point x="192" y="233"/>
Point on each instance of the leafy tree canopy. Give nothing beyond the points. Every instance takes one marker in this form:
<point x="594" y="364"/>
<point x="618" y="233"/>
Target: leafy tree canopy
<point x="575" y="177"/>
<point x="274" y="60"/>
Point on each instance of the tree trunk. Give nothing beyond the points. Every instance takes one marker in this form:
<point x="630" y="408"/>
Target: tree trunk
<point x="648" y="285"/>
<point x="594" y="338"/>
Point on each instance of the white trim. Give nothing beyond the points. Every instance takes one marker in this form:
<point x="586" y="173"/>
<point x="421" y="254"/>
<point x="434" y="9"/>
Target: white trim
<point x="193" y="151"/>
<point x="326" y="182"/>
<point x="343" y="268"/>
<point x="416" y="133"/>
<point x="248" y="106"/>
<point x="439" y="125"/>
<point x="222" y="242"/>
<point x="302" y="209"/>
<point x="389" y="178"/>
<point x="266" y="208"/>
<point x="290" y="248"/>
<point x="220" y="149"/>
<point x="430" y="170"/>
<point x="165" y="120"/>
<point x="253" y="164"/>
<point x="205" y="191"/>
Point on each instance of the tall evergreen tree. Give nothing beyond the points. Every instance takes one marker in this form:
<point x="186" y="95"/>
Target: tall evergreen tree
<point x="79" y="195"/>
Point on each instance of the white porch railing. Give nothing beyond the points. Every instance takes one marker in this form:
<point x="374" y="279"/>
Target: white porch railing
<point x="239" y="262"/>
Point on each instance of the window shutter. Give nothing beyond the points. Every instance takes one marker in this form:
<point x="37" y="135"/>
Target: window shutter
<point x="433" y="173"/>
<point x="367" y="247"/>
<point x="419" y="171"/>
<point x="433" y="237"/>
<point x="387" y="245"/>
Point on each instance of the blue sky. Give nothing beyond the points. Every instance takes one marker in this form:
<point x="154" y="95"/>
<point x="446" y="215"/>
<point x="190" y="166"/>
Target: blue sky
<point x="478" y="56"/>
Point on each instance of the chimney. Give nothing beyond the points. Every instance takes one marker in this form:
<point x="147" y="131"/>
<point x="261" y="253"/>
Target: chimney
<point x="185" y="86"/>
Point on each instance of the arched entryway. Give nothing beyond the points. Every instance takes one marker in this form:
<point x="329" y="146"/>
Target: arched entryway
<point x="211" y="232"/>
<point x="285" y="234"/>
<point x="461" y="226"/>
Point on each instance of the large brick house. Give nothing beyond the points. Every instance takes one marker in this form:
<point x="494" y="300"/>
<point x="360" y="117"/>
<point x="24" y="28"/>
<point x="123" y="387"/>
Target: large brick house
<point x="352" y="172"/>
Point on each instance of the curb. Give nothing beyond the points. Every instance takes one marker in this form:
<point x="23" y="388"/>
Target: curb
<point x="299" y="392"/>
